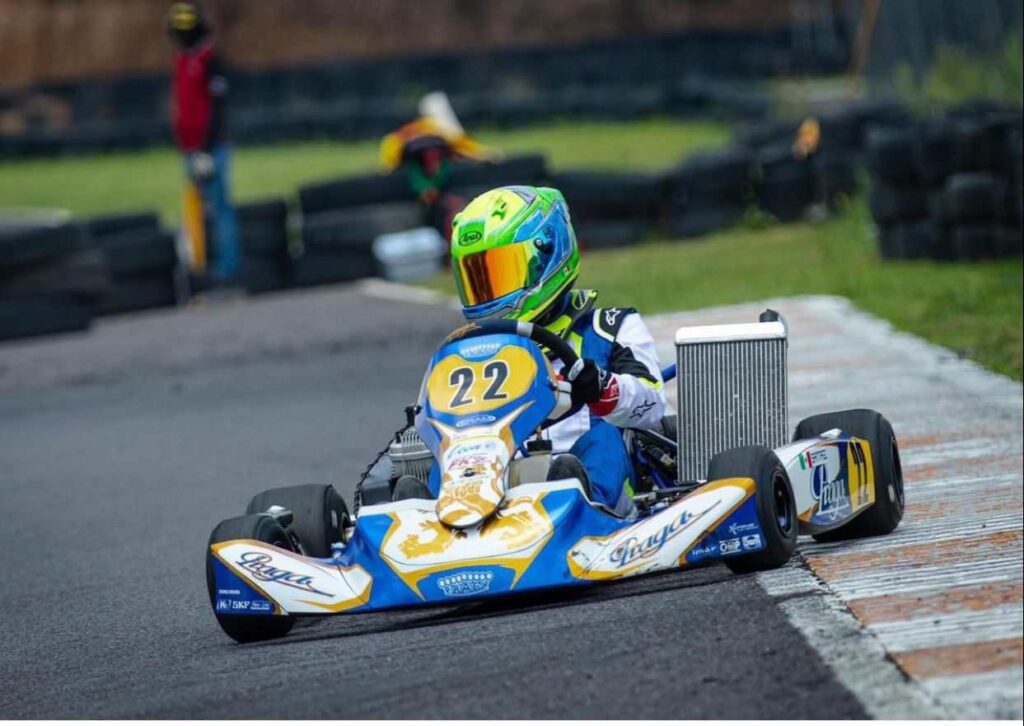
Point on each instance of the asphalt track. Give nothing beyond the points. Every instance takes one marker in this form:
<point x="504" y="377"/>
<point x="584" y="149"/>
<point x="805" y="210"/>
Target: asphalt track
<point x="120" y="450"/>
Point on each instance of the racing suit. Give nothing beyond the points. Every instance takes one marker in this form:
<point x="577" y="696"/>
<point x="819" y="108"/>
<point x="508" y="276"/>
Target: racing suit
<point x="633" y="396"/>
<point x="618" y="342"/>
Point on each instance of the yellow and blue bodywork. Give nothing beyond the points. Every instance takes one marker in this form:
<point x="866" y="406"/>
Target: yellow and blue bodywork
<point x="481" y="399"/>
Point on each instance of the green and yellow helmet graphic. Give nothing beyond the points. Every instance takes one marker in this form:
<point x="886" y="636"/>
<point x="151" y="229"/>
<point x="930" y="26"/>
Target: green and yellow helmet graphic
<point x="514" y="252"/>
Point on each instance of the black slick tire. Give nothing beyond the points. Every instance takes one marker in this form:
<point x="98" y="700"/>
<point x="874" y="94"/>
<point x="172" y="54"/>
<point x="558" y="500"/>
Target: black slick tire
<point x="248" y="628"/>
<point x="320" y="514"/>
<point x="885" y="514"/>
<point x="776" y="505"/>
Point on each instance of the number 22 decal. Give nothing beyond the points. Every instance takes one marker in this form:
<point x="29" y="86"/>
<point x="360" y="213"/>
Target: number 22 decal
<point x="462" y="379"/>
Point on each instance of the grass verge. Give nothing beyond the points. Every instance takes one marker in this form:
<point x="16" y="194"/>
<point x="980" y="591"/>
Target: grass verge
<point x="153" y="179"/>
<point x="974" y="309"/>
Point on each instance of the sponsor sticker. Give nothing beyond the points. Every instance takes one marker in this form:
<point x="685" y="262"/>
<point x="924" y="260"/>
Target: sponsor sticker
<point x="477" y="420"/>
<point x="464" y="584"/>
<point x="833" y="496"/>
<point x="638" y="548"/>
<point x="751" y="541"/>
<point x="235" y="605"/>
<point x="474" y="351"/>
<point x="738" y="527"/>
<point x="813" y="458"/>
<point x="709" y="549"/>
<point x="259" y="566"/>
<point x="728" y="546"/>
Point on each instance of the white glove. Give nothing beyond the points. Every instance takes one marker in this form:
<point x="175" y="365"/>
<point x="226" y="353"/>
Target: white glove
<point x="200" y="165"/>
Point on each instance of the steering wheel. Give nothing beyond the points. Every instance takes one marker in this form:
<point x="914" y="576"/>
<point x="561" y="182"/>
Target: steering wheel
<point x="539" y="335"/>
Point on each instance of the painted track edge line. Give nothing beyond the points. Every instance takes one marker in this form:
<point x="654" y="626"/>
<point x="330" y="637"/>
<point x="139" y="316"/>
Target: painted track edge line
<point x="855" y="656"/>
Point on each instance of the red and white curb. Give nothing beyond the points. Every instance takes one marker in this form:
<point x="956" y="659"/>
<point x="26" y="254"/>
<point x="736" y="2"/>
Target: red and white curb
<point x="928" y="621"/>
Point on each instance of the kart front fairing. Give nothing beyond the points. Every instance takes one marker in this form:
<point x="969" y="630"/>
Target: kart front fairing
<point x="481" y="398"/>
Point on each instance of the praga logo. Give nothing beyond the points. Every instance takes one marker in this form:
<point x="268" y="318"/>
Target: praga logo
<point x="833" y="496"/>
<point x="258" y="565"/>
<point x="636" y="548"/>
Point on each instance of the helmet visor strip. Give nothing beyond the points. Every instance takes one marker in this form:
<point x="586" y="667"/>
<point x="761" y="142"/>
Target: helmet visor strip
<point x="488" y="275"/>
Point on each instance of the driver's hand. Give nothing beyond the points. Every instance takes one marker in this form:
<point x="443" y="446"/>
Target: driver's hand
<point x="594" y="386"/>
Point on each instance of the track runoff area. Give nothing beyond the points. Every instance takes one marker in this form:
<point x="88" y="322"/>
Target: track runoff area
<point x="925" y="622"/>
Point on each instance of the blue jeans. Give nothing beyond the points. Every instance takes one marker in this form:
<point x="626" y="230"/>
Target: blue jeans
<point x="227" y="254"/>
<point x="603" y="454"/>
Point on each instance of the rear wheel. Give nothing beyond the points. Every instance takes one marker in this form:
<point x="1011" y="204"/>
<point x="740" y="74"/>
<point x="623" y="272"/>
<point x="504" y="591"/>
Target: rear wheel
<point x="776" y="506"/>
<point x="320" y="514"/>
<point x="885" y="514"/>
<point x="248" y="628"/>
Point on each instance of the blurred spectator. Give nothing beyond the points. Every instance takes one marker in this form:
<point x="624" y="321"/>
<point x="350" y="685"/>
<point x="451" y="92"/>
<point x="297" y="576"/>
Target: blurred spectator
<point x="424" y="149"/>
<point x="199" y="91"/>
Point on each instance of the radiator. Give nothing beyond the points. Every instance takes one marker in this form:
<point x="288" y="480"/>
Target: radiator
<point x="732" y="386"/>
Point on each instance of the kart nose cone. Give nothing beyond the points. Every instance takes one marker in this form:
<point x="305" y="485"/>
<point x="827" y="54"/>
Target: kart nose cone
<point x="464" y="505"/>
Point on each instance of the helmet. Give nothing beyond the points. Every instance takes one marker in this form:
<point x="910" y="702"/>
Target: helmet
<point x="514" y="253"/>
<point x="185" y="22"/>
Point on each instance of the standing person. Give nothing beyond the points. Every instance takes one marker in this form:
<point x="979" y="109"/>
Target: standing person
<point x="199" y="91"/>
<point x="425" y="149"/>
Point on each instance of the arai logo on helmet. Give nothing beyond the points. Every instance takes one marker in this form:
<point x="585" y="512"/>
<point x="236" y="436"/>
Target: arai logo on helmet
<point x="469" y="238"/>
<point x="472" y="582"/>
<point x="478" y="420"/>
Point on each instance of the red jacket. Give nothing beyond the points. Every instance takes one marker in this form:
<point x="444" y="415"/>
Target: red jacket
<point x="197" y="90"/>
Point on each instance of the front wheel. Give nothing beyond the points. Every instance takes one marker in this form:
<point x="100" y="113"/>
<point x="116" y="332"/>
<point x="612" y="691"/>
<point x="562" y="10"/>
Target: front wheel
<point x="776" y="505"/>
<point x="885" y="514"/>
<point x="248" y="628"/>
<point x="320" y="514"/>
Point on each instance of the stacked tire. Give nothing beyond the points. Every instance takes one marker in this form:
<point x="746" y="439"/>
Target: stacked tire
<point x="142" y="258"/>
<point x="49" y="279"/>
<point x="263" y="228"/>
<point x="899" y="196"/>
<point x="948" y="188"/>
<point x="784" y="183"/>
<point x="469" y="179"/>
<point x="708" y="192"/>
<point x="610" y="210"/>
<point x="981" y="199"/>
<point x="342" y="218"/>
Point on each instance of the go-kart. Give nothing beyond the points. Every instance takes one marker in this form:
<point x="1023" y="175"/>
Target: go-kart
<point x="498" y="526"/>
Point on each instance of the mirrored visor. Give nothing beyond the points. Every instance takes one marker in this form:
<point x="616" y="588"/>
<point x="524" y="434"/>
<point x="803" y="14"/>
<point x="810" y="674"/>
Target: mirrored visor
<point x="491" y="274"/>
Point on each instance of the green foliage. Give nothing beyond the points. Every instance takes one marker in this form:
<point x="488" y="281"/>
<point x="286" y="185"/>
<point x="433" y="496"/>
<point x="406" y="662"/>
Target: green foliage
<point x="957" y="76"/>
<point x="154" y="178"/>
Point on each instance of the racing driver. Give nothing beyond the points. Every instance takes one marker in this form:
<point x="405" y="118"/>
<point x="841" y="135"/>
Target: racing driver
<point x="514" y="255"/>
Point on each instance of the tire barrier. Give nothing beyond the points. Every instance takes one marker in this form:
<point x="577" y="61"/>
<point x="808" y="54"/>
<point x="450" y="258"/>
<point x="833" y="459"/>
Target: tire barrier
<point x="708" y="191"/>
<point x="948" y="188"/>
<point x="341" y="218"/>
<point x="603" y="79"/>
<point x="49" y="280"/>
<point x="266" y="250"/>
<point x="611" y="210"/>
<point x="58" y="277"/>
<point x="140" y="257"/>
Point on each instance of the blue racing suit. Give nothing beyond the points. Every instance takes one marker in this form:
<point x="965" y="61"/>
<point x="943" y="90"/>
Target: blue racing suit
<point x="618" y="341"/>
